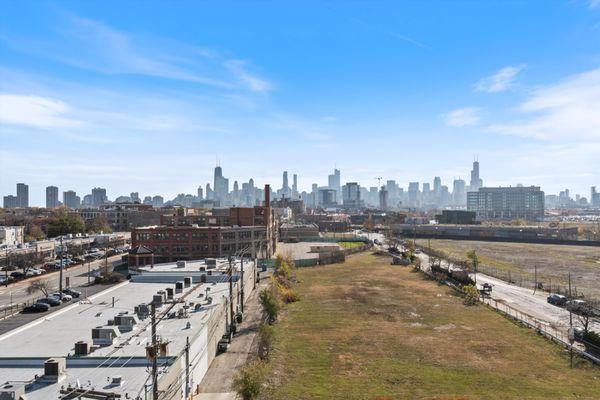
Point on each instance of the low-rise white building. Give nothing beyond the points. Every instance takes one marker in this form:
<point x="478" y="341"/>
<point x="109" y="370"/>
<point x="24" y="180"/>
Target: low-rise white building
<point x="11" y="235"/>
<point x="104" y="346"/>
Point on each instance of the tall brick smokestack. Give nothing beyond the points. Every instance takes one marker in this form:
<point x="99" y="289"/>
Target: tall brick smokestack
<point x="267" y="195"/>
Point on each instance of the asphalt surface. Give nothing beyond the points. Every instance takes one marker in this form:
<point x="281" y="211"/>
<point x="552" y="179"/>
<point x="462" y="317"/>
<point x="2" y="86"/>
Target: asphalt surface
<point x="78" y="276"/>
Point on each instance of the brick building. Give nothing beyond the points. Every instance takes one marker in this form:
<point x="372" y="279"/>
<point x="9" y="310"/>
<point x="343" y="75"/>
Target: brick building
<point x="250" y="230"/>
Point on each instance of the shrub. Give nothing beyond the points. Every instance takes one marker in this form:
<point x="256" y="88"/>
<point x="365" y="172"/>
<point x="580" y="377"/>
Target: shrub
<point x="265" y="340"/>
<point x="288" y="295"/>
<point x="248" y="382"/>
<point x="471" y="295"/>
<point x="270" y="302"/>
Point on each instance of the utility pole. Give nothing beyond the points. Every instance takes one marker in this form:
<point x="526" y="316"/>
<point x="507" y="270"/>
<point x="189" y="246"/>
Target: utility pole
<point x="60" y="275"/>
<point x="230" y="292"/>
<point x="570" y="324"/>
<point x="187" y="367"/>
<point x="535" y="278"/>
<point x="242" y="286"/>
<point x="155" y="353"/>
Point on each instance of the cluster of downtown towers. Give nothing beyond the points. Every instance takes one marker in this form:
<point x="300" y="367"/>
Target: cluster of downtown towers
<point x="334" y="194"/>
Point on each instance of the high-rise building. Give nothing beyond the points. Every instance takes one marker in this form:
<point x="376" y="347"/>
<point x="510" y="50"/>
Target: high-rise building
<point x="98" y="197"/>
<point x="594" y="197"/>
<point x="221" y="184"/>
<point x="476" y="181"/>
<point x="459" y="193"/>
<point x="351" y="195"/>
<point x="413" y="194"/>
<point x="437" y="186"/>
<point x="507" y="203"/>
<point x="200" y="193"/>
<point x="135" y="197"/>
<point x="10" y="201"/>
<point x="22" y="195"/>
<point x="285" y="185"/>
<point x="71" y="200"/>
<point x="383" y="198"/>
<point x="295" y="185"/>
<point x="52" y="197"/>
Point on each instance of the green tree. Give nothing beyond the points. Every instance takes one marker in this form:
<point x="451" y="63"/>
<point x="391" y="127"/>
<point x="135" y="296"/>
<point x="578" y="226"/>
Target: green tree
<point x="472" y="255"/>
<point x="64" y="223"/>
<point x="471" y="295"/>
<point x="34" y="232"/>
<point x="269" y="300"/>
<point x="98" y="224"/>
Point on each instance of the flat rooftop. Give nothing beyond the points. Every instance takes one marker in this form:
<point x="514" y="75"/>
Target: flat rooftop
<point x="220" y="265"/>
<point x="56" y="334"/>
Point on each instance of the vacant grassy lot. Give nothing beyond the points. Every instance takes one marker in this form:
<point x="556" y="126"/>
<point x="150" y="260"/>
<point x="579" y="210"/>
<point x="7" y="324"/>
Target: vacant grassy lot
<point x="350" y="245"/>
<point x="553" y="261"/>
<point x="368" y="330"/>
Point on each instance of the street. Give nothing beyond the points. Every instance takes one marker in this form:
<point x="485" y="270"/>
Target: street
<point x="78" y="276"/>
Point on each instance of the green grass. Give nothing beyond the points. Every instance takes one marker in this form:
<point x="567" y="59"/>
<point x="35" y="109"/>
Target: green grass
<point x="368" y="330"/>
<point x="350" y="245"/>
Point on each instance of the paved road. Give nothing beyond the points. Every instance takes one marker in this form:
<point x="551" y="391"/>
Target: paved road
<point x="78" y="276"/>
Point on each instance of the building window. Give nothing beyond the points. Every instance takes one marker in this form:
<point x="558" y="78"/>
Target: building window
<point x="143" y="236"/>
<point x="181" y="236"/>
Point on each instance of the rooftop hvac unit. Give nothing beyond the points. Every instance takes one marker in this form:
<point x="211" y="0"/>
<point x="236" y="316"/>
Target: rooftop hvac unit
<point x="54" y="367"/>
<point x="180" y="264"/>
<point x="82" y="348"/>
<point x="211" y="263"/>
<point x="178" y="286"/>
<point x="169" y="293"/>
<point x="187" y="281"/>
<point x="157" y="300"/>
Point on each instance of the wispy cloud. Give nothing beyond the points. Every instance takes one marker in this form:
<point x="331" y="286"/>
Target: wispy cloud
<point x="36" y="111"/>
<point x="97" y="47"/>
<point x="467" y="116"/>
<point x="568" y="110"/>
<point x="500" y="81"/>
<point x="594" y="3"/>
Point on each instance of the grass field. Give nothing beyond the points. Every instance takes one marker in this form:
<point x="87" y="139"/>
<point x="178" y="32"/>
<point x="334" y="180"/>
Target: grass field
<point x="368" y="330"/>
<point x="553" y="261"/>
<point x="350" y="245"/>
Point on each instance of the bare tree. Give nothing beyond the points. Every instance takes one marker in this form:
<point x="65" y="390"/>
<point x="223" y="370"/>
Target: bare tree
<point x="588" y="312"/>
<point x="39" y="286"/>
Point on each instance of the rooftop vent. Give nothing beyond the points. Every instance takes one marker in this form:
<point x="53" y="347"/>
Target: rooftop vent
<point x="180" y="264"/>
<point x="54" y="367"/>
<point x="178" y="286"/>
<point x="169" y="293"/>
<point x="187" y="281"/>
<point x="211" y="263"/>
<point x="82" y="348"/>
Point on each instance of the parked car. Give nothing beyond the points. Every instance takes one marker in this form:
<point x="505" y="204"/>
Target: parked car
<point x="557" y="299"/>
<point x="575" y="306"/>
<point x="52" y="301"/>
<point x="72" y="292"/>
<point x="17" y="274"/>
<point x="35" y="308"/>
<point x="64" y="297"/>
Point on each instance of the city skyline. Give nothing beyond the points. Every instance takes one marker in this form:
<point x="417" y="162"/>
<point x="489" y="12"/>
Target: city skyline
<point x="455" y="189"/>
<point x="89" y="95"/>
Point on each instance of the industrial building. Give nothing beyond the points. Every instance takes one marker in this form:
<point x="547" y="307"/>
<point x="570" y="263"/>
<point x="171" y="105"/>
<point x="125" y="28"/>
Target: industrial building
<point x="152" y="337"/>
<point x="507" y="203"/>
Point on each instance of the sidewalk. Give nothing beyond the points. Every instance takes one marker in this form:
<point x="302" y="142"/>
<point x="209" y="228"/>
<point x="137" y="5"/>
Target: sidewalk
<point x="216" y="384"/>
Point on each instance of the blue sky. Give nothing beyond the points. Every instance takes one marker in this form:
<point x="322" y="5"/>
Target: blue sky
<point x="144" y="96"/>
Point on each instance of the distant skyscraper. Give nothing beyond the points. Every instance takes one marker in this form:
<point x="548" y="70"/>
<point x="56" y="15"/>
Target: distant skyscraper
<point x="52" y="197"/>
<point x="71" y="200"/>
<point x="285" y="181"/>
<point x="295" y="185"/>
<point x="476" y="181"/>
<point x="413" y="194"/>
<point x="22" y="195"/>
<point x="135" y="197"/>
<point x="221" y="184"/>
<point x="98" y="197"/>
<point x="459" y="193"/>
<point x="10" y="201"/>
<point x="594" y="197"/>
<point x="383" y="198"/>
<point x="437" y="186"/>
<point x="200" y="193"/>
